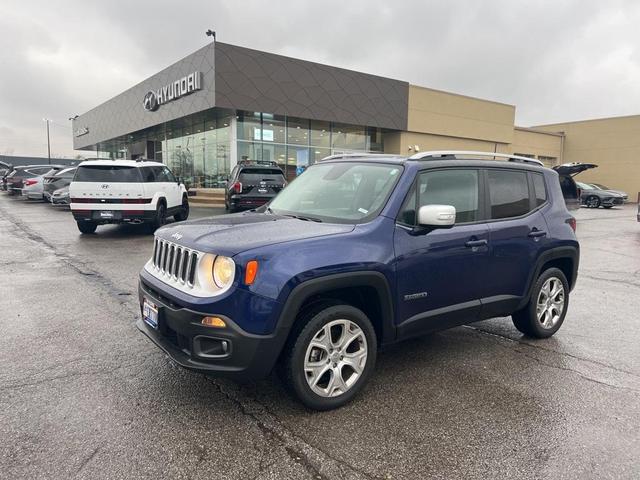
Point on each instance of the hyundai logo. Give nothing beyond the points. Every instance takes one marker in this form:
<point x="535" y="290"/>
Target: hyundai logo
<point x="150" y="102"/>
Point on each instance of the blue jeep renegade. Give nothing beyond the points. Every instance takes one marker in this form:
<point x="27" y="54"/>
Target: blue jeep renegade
<point x="359" y="252"/>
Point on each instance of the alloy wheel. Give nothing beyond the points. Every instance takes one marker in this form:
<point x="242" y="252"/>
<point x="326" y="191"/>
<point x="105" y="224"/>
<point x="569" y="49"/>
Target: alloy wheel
<point x="335" y="358"/>
<point x="550" y="304"/>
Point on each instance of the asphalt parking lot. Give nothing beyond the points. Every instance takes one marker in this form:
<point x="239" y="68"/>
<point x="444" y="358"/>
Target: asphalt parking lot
<point x="85" y="395"/>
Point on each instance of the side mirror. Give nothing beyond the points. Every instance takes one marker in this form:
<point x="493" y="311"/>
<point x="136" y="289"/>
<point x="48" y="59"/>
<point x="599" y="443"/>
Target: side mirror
<point x="437" y="216"/>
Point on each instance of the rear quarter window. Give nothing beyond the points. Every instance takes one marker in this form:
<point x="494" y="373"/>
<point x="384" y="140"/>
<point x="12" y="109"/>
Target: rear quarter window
<point x="539" y="189"/>
<point x="108" y="174"/>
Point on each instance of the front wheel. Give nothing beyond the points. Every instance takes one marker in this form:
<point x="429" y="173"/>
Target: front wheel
<point x="544" y="314"/>
<point x="592" y="201"/>
<point x="331" y="358"/>
<point x="87" y="227"/>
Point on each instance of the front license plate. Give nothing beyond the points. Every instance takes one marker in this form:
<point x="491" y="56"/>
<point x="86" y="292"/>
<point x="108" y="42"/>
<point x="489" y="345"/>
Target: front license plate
<point x="106" y="214"/>
<point x="150" y="313"/>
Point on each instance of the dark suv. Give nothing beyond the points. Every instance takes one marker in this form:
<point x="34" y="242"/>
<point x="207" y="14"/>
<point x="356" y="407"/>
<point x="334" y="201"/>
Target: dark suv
<point x="360" y="252"/>
<point x="252" y="184"/>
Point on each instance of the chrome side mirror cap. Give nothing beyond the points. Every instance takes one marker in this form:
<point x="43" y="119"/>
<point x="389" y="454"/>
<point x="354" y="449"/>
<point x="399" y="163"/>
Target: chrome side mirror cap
<point x="437" y="216"/>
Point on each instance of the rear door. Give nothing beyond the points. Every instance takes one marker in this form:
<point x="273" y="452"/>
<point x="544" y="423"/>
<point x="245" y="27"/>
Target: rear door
<point x="516" y="200"/>
<point x="167" y="183"/>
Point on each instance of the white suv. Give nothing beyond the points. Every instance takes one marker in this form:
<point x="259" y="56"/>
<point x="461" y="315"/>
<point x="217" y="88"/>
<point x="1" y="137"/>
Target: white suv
<point x="126" y="191"/>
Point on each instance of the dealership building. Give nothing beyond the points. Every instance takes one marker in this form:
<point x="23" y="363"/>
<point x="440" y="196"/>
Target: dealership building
<point x="225" y="103"/>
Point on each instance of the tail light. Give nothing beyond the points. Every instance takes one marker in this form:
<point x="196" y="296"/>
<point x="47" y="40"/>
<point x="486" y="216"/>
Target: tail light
<point x="237" y="187"/>
<point x="30" y="182"/>
<point x="572" y="223"/>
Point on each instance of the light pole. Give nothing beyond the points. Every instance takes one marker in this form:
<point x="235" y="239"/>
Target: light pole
<point x="48" y="141"/>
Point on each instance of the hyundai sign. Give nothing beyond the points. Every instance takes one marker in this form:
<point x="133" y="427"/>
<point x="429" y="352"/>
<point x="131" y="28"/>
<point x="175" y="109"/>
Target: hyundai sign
<point x="184" y="86"/>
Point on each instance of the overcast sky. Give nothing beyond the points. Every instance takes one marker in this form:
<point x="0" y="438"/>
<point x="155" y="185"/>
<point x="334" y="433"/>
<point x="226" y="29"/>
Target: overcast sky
<point x="555" y="60"/>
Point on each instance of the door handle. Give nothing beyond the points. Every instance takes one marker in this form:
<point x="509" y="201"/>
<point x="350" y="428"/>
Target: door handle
<point x="535" y="233"/>
<point x="476" y="243"/>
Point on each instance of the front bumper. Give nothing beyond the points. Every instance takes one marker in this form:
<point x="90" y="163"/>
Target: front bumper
<point x="191" y="345"/>
<point x="613" y="201"/>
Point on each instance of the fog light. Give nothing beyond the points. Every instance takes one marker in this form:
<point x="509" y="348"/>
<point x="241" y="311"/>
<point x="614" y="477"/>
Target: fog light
<point x="216" y="322"/>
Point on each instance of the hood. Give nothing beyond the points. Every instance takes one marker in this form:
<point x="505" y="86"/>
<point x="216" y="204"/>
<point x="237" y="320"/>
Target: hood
<point x="573" y="168"/>
<point x="232" y="234"/>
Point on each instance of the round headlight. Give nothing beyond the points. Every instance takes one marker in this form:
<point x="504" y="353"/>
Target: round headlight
<point x="223" y="271"/>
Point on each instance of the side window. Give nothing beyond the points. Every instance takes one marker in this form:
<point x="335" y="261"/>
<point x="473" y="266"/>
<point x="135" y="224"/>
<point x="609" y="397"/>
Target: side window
<point x="163" y="174"/>
<point x="147" y="174"/>
<point x="508" y="193"/>
<point x="457" y="187"/>
<point x="170" y="177"/>
<point x="539" y="189"/>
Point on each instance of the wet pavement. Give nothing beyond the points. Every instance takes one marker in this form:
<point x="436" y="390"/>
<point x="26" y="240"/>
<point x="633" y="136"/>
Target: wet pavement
<point x="84" y="395"/>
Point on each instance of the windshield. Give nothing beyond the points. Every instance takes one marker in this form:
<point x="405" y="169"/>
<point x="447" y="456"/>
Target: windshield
<point x="599" y="186"/>
<point x="107" y="174"/>
<point x="340" y="192"/>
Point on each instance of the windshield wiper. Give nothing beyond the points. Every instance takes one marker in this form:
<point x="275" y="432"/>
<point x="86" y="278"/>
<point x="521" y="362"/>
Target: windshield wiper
<point x="303" y="217"/>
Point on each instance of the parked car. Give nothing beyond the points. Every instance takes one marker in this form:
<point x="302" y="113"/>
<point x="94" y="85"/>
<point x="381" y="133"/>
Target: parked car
<point x="15" y="179"/>
<point x="60" y="197"/>
<point x="570" y="190"/>
<point x="126" y="191"/>
<point x="5" y="169"/>
<point x="360" y="252"/>
<point x="57" y="181"/>
<point x="593" y="197"/>
<point x="33" y="188"/>
<point x="252" y="184"/>
<point x="599" y="186"/>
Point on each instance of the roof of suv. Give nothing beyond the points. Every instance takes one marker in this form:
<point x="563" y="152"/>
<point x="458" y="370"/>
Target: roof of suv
<point x="442" y="158"/>
<point x="120" y="163"/>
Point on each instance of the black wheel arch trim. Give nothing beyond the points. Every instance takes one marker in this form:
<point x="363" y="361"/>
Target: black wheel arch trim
<point x="557" y="253"/>
<point x="316" y="286"/>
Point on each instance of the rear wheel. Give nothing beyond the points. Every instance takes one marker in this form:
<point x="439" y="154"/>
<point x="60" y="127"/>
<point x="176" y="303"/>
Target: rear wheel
<point x="87" y="227"/>
<point x="592" y="201"/>
<point x="544" y="314"/>
<point x="330" y="359"/>
<point x="184" y="211"/>
<point x="160" y="217"/>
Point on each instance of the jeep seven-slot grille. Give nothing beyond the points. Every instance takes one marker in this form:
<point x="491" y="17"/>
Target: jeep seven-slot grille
<point x="174" y="261"/>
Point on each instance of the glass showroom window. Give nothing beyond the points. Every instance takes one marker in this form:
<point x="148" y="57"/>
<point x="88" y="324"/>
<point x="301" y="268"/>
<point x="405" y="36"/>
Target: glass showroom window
<point x="249" y="126"/>
<point x="349" y="137"/>
<point x="320" y="134"/>
<point x="273" y="128"/>
<point x="297" y="131"/>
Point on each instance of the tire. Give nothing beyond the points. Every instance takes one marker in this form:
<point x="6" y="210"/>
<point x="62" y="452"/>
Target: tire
<point x="341" y="323"/>
<point x="161" y="216"/>
<point x="552" y="317"/>
<point x="592" y="201"/>
<point x="184" y="212"/>
<point x="87" y="227"/>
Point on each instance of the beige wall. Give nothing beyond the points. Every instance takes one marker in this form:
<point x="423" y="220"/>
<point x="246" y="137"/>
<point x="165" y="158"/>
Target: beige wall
<point x="451" y="115"/>
<point x="541" y="144"/>
<point x="611" y="143"/>
<point x="403" y="143"/>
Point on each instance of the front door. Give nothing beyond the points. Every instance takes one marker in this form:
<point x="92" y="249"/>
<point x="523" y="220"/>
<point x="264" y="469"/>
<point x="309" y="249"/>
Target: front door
<point x="440" y="274"/>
